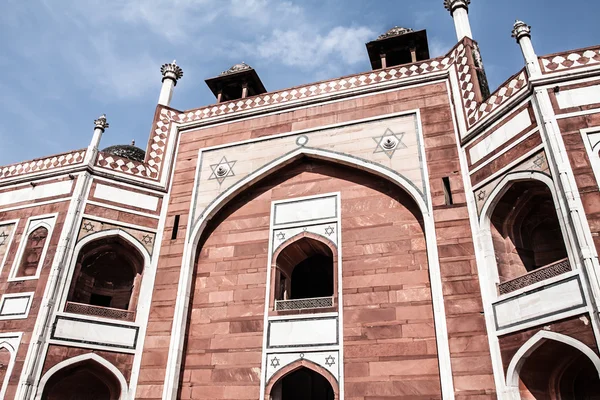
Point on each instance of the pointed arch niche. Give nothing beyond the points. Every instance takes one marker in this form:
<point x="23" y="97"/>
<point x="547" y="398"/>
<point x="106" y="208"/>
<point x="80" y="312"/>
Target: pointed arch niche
<point x="554" y="366"/>
<point x="524" y="232"/>
<point x="107" y="277"/>
<point x="88" y="376"/>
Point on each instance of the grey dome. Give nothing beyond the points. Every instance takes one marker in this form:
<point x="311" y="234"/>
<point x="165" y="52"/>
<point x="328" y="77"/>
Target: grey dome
<point x="126" y="151"/>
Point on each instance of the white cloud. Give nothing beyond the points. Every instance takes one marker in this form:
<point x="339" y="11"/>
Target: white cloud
<point x="306" y="49"/>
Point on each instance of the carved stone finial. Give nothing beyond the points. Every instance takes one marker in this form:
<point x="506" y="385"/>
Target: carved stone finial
<point x="520" y="30"/>
<point x="236" y="68"/>
<point x="452" y="5"/>
<point x="171" y="71"/>
<point x="101" y="122"/>
<point x="395" y="31"/>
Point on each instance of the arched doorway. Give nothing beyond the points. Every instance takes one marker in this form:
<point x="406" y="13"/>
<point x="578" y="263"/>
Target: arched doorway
<point x="302" y="384"/>
<point x="86" y="380"/>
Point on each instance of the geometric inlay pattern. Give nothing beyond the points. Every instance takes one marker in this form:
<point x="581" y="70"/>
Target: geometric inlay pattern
<point x="90" y="226"/>
<point x="389" y="142"/>
<point x="222" y="170"/>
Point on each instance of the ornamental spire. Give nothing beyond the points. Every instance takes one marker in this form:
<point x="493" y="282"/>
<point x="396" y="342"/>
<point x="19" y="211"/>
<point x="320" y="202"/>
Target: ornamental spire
<point x="101" y="123"/>
<point x="521" y="29"/>
<point x="171" y="71"/>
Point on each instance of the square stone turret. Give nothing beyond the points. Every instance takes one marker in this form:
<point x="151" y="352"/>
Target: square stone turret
<point x="398" y="46"/>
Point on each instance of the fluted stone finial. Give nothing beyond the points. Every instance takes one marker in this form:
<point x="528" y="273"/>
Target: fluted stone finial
<point x="520" y="30"/>
<point x="101" y="122"/>
<point x="452" y="5"/>
<point x="171" y="71"/>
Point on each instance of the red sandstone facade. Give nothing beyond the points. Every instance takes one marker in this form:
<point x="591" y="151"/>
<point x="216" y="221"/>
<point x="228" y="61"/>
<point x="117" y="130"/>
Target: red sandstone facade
<point x="397" y="234"/>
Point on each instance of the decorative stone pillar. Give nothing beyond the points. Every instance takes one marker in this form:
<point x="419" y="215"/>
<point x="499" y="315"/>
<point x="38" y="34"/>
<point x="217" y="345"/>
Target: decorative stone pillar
<point x="100" y="125"/>
<point x="171" y="74"/>
<point x="522" y="32"/>
<point x="459" y="9"/>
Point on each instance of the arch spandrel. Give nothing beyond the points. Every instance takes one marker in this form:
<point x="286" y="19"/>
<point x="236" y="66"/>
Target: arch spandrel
<point x="391" y="144"/>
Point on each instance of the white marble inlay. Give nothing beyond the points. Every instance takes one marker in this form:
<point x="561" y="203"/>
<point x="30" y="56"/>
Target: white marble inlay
<point x="326" y="359"/>
<point x="578" y="97"/>
<point x="502" y="135"/>
<point x="121" y="196"/>
<point x="305" y="210"/>
<point x="15" y="305"/>
<point x="549" y="300"/>
<point x="40" y="191"/>
<point x="95" y="332"/>
<point x="303" y="332"/>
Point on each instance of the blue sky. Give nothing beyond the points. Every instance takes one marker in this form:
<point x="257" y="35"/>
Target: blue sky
<point x="65" y="62"/>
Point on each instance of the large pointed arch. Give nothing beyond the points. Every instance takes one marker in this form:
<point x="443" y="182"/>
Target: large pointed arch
<point x="79" y="359"/>
<point x="518" y="360"/>
<point x="198" y="224"/>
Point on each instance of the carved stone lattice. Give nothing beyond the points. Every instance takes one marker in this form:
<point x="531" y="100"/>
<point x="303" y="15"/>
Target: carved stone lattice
<point x="538" y="275"/>
<point x="304" y="304"/>
<point x="101" y="312"/>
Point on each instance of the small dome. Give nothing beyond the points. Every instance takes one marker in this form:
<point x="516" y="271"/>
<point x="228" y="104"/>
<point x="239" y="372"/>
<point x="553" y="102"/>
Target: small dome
<point x="126" y="151"/>
<point x="395" y="31"/>
<point x="237" y="68"/>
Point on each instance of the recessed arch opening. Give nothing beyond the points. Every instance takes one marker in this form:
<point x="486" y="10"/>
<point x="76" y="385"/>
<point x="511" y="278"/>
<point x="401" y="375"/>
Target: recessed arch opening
<point x="32" y="254"/>
<point x="107" y="279"/>
<point x="303" y="384"/>
<point x="84" y="380"/>
<point x="552" y="367"/>
<point x="526" y="235"/>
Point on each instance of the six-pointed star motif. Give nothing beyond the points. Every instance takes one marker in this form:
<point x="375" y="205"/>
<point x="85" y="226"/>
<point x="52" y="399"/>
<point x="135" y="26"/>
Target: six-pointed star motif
<point x="539" y="161"/>
<point x="281" y="236"/>
<point x="329" y="230"/>
<point x="222" y="170"/>
<point x="481" y="195"/>
<point x="329" y="361"/>
<point x="88" y="226"/>
<point x="147" y="239"/>
<point x="389" y="142"/>
<point x="3" y="237"/>
<point x="275" y="362"/>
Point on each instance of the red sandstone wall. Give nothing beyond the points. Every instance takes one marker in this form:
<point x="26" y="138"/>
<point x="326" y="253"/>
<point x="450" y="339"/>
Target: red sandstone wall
<point x="468" y="341"/>
<point x="37" y="285"/>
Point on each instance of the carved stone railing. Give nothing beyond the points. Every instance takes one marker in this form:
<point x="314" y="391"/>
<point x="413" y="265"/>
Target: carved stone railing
<point x="541" y="274"/>
<point x="304" y="304"/>
<point x="101" y="312"/>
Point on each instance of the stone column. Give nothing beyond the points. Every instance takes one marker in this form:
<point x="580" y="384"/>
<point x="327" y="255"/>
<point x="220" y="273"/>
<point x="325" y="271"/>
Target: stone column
<point x="100" y="125"/>
<point x="171" y="74"/>
<point x="459" y="9"/>
<point x="522" y="32"/>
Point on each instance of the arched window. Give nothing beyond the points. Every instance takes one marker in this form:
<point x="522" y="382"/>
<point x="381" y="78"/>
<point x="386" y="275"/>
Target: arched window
<point x="527" y="236"/>
<point x="107" y="280"/>
<point x="32" y="253"/>
<point x="304" y="276"/>
<point x="87" y="380"/>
